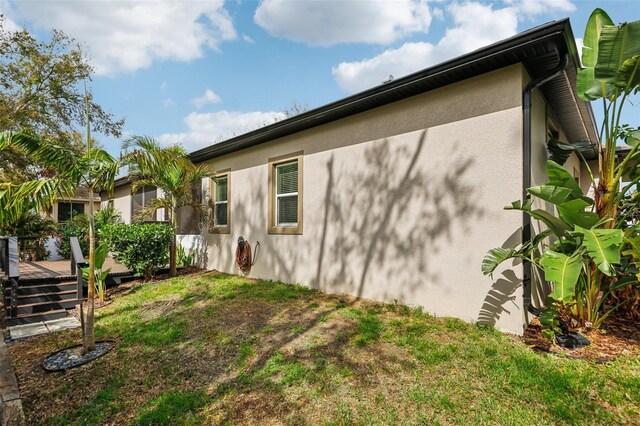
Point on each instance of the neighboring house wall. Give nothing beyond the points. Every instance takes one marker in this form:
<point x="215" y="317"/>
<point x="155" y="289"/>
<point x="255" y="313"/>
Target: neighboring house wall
<point x="50" y="243"/>
<point x="400" y="203"/>
<point x="122" y="201"/>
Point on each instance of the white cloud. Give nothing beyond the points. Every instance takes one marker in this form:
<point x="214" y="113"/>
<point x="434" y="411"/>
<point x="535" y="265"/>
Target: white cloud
<point x="531" y="8"/>
<point x="324" y="23"/>
<point x="475" y="25"/>
<point x="124" y="36"/>
<point x="204" y="129"/>
<point x="356" y="76"/>
<point x="208" y="98"/>
<point x="163" y="86"/>
<point x="168" y="103"/>
<point x="247" y="39"/>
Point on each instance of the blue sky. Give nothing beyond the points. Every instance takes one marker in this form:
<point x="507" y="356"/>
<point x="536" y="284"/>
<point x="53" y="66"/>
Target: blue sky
<point x="196" y="72"/>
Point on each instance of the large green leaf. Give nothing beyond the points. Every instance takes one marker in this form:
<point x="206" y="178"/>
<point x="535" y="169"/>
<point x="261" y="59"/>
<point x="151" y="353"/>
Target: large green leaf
<point x="588" y="87"/>
<point x="563" y="271"/>
<point x="554" y="194"/>
<point x="603" y="246"/>
<point x="495" y="257"/>
<point x="590" y="43"/>
<point x="555" y="224"/>
<point x="577" y="217"/>
<point x="559" y="151"/>
<point x="101" y="253"/>
<point x="559" y="176"/>
<point x="619" y="54"/>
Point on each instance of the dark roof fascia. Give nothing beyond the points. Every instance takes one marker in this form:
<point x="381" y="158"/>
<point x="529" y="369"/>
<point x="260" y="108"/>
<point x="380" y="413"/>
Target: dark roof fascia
<point x="121" y="181"/>
<point x="398" y="89"/>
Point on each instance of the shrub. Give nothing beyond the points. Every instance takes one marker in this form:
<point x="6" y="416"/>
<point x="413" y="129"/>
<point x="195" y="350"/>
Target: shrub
<point x="31" y="224"/>
<point x="141" y="247"/>
<point x="78" y="226"/>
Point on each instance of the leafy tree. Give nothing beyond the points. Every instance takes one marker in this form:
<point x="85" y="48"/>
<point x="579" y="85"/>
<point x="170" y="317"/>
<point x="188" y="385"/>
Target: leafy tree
<point x="168" y="169"/>
<point x="40" y="93"/>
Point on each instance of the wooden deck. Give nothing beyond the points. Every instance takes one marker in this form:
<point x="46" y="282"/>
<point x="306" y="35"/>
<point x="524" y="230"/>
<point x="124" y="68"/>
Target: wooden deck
<point x="60" y="268"/>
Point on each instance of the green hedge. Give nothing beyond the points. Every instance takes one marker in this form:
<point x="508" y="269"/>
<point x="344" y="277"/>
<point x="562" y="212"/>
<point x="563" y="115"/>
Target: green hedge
<point x="141" y="247"/>
<point x="76" y="227"/>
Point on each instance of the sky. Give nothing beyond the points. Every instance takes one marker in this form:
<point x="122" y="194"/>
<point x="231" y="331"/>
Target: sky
<point x="198" y="72"/>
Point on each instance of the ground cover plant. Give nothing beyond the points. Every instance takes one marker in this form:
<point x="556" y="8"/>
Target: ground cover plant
<point x="211" y="348"/>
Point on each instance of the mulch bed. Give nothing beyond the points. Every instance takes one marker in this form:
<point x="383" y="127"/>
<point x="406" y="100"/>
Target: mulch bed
<point x="618" y="337"/>
<point x="72" y="357"/>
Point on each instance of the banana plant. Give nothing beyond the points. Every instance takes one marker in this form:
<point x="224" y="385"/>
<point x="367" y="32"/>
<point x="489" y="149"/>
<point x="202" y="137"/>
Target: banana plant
<point x="611" y="60"/>
<point x="573" y="253"/>
<point x="593" y="253"/>
<point x="100" y="275"/>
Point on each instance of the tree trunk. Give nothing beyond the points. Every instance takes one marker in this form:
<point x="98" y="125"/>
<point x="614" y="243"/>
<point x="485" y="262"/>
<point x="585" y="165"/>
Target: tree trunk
<point x="173" y="268"/>
<point x="89" y="342"/>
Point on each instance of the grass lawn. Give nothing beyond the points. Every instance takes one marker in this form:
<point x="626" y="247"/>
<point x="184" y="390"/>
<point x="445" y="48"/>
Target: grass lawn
<point x="219" y="349"/>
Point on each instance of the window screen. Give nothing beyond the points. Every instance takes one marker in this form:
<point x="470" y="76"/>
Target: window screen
<point x="221" y="202"/>
<point x="189" y="217"/>
<point x="140" y="199"/>
<point x="287" y="194"/>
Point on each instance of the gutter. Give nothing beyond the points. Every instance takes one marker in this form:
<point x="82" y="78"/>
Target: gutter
<point x="526" y="164"/>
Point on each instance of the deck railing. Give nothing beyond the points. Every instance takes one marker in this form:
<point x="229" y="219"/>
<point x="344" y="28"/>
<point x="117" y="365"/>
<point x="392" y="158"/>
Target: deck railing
<point x="77" y="263"/>
<point x="9" y="259"/>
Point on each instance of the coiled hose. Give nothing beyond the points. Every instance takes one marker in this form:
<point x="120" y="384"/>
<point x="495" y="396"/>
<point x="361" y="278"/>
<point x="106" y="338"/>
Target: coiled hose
<point x="244" y="262"/>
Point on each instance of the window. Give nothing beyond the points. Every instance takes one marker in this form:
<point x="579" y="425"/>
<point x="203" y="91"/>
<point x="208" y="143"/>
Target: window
<point x="67" y="211"/>
<point x="141" y="199"/>
<point x="285" y="189"/>
<point x="220" y="191"/>
<point x="188" y="216"/>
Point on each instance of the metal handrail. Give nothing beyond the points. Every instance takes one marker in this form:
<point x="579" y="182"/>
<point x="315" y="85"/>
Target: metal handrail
<point x="77" y="263"/>
<point x="9" y="256"/>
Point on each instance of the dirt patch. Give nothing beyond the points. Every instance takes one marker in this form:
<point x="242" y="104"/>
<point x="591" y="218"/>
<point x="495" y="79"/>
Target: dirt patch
<point x="617" y="338"/>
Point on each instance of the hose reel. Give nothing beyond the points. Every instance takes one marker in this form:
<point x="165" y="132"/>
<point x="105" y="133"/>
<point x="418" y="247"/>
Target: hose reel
<point x="244" y="261"/>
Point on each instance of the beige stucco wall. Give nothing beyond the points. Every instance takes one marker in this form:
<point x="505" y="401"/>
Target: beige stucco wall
<point x="400" y="203"/>
<point x="122" y="202"/>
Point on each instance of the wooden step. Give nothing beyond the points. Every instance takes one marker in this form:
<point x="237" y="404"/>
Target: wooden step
<point x="31" y="318"/>
<point x="42" y="289"/>
<point x="26" y="299"/>
<point x="44" y="307"/>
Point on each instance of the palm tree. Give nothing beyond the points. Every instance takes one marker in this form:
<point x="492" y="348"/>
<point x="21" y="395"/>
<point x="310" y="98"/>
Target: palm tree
<point x="168" y="169"/>
<point x="95" y="170"/>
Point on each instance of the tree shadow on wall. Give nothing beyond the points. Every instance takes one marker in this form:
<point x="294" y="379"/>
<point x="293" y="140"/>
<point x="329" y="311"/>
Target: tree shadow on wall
<point x="391" y="215"/>
<point x="503" y="290"/>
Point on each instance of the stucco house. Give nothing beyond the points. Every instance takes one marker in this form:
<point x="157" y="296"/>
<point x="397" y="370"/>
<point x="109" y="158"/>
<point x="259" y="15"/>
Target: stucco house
<point x="397" y="193"/>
